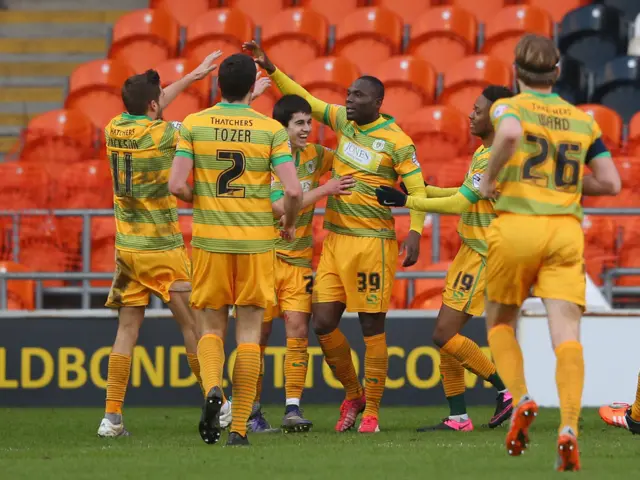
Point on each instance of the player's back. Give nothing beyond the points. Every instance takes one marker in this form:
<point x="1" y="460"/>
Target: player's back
<point x="140" y="152"/>
<point x="544" y="176"/>
<point x="233" y="149"/>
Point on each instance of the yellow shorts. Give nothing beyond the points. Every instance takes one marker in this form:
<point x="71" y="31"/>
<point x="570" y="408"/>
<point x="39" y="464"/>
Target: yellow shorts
<point x="139" y="274"/>
<point x="293" y="290"/>
<point x="546" y="253"/>
<point x="356" y="271"/>
<point x="465" y="282"/>
<point x="221" y="279"/>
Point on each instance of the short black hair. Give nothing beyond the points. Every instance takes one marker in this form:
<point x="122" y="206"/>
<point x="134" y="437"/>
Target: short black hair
<point x="376" y="84"/>
<point x="496" y="92"/>
<point x="139" y="90"/>
<point x="236" y="76"/>
<point x="287" y="106"/>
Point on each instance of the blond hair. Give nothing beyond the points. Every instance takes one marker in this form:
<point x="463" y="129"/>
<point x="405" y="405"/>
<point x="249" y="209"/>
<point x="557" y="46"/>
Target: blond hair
<point x="536" y="60"/>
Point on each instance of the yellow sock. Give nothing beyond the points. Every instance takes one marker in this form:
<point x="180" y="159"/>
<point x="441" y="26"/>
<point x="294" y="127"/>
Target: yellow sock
<point x="452" y="375"/>
<point x="508" y="357"/>
<point x="117" y="381"/>
<point x="211" y="359"/>
<point x="635" y="409"/>
<point x="245" y="378"/>
<point x="468" y="353"/>
<point x="337" y="354"/>
<point x="296" y="363"/>
<point x="263" y="348"/>
<point x="192" y="358"/>
<point x="376" y="366"/>
<point x="570" y="381"/>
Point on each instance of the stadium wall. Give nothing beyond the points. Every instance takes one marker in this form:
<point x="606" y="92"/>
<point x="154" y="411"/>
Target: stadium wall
<point x="59" y="358"/>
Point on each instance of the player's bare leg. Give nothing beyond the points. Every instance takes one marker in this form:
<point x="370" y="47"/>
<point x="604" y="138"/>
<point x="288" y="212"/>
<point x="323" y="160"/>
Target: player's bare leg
<point x="296" y="364"/>
<point x="246" y="370"/>
<point x="212" y="324"/>
<point x="129" y="322"/>
<point x="257" y="420"/>
<point x="564" y="327"/>
<point x="458" y="353"/>
<point x="337" y="353"/>
<point x="376" y="366"/>
<point x="506" y="352"/>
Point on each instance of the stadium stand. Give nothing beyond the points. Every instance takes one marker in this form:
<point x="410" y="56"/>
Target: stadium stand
<point x="434" y="56"/>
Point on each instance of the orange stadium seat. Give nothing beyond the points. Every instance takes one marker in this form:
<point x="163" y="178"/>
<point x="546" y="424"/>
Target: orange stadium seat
<point x="506" y="27"/>
<point x="184" y="12"/>
<point x="43" y="247"/>
<point x="449" y="238"/>
<point x="219" y="29"/>
<point x="144" y="38"/>
<point x="557" y="9"/>
<point x="440" y="133"/>
<point x="597" y="261"/>
<point x="20" y="293"/>
<point x="483" y="10"/>
<point x="103" y="233"/>
<point x="328" y="78"/>
<point x="410" y="82"/>
<point x="633" y="142"/>
<point x="24" y="186"/>
<point x="452" y="173"/>
<point x="626" y="198"/>
<point x="260" y="11"/>
<point x="610" y="123"/>
<point x="83" y="185"/>
<point x="629" y="168"/>
<point x="194" y="98"/>
<point x="599" y="232"/>
<point x="408" y="10"/>
<point x="95" y="89"/>
<point x="59" y="137"/>
<point x="368" y="36"/>
<point x="465" y="80"/>
<point x="295" y="36"/>
<point x="443" y="35"/>
<point x="333" y="10"/>
<point x="629" y="258"/>
<point x="429" y="291"/>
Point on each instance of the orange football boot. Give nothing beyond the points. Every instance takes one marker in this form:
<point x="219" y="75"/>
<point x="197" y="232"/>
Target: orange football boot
<point x="614" y="414"/>
<point x="522" y="418"/>
<point x="568" y="452"/>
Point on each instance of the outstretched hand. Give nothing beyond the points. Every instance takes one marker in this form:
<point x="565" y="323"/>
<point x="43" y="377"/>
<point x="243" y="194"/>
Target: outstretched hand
<point x="262" y="84"/>
<point x="207" y="66"/>
<point x="259" y="56"/>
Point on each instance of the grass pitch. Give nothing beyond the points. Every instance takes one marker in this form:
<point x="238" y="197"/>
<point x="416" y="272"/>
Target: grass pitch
<point x="62" y="444"/>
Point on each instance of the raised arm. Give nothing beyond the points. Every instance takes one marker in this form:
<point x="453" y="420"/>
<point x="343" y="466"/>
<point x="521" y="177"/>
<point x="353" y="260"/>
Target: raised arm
<point x="284" y="83"/>
<point x="176" y="88"/>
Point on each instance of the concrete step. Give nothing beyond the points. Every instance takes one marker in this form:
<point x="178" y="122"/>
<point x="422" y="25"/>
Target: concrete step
<point x="15" y="119"/>
<point x="31" y="94"/>
<point x="45" y="15"/>
<point x="41" y="81"/>
<point x="53" y="45"/>
<point x="7" y="144"/>
<point x="37" y="69"/>
<point x="54" y="30"/>
<point x="28" y="108"/>
<point x="96" y="5"/>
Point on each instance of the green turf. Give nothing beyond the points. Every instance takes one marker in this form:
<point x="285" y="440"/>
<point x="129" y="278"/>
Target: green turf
<point x="62" y="444"/>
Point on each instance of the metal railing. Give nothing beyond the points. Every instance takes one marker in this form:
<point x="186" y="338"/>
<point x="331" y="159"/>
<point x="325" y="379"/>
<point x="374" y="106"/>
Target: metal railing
<point x="85" y="276"/>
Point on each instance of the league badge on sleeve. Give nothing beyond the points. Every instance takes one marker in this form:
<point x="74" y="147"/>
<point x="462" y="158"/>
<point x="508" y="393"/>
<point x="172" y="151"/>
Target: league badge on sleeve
<point x="499" y="111"/>
<point x="414" y="159"/>
<point x="477" y="178"/>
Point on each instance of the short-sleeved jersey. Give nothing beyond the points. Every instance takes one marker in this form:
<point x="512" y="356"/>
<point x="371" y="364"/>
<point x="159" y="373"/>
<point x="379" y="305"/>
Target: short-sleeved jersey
<point x="312" y="163"/>
<point x="140" y="152"/>
<point x="473" y="223"/>
<point x="544" y="176"/>
<point x="233" y="149"/>
<point x="375" y="155"/>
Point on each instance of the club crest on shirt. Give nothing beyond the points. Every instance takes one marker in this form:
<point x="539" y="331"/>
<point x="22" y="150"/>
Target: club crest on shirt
<point x="378" y="145"/>
<point x="176" y="125"/>
<point x="306" y="185"/>
<point x="310" y="166"/>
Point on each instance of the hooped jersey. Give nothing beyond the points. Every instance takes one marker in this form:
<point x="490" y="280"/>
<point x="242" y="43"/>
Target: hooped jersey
<point x="140" y="152"/>
<point x="375" y="155"/>
<point x="473" y="223"/>
<point x="544" y="176"/>
<point x="233" y="148"/>
<point x="312" y="163"/>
